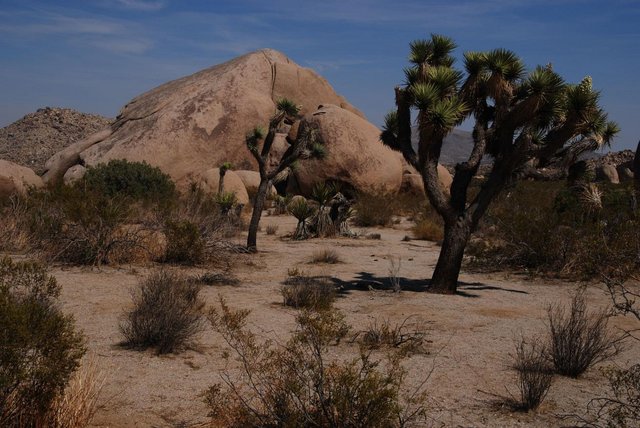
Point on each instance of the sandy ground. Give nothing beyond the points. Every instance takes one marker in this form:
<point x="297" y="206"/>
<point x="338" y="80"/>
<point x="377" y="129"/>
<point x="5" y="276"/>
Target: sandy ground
<point x="471" y="334"/>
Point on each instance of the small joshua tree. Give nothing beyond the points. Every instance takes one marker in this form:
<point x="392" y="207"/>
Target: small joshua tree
<point x="519" y="117"/>
<point x="223" y="171"/>
<point x="304" y="146"/>
<point x="302" y="211"/>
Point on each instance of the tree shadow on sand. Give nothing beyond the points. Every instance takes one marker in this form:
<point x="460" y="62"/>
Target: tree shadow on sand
<point x="366" y="281"/>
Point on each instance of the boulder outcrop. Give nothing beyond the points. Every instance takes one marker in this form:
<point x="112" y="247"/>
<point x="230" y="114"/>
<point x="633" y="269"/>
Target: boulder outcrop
<point x="355" y="156"/>
<point x="200" y="121"/>
<point x="16" y="179"/>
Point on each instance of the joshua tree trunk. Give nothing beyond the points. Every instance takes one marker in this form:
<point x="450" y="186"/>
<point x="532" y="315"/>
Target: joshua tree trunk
<point x="445" y="275"/>
<point x="258" y="205"/>
<point x="221" y="181"/>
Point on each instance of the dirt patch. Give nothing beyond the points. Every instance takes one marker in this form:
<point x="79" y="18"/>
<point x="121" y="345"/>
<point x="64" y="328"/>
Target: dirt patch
<point x="471" y="334"/>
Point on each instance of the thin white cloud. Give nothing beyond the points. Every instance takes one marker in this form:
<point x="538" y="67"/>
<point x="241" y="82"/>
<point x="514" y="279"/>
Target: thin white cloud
<point x="124" y="46"/>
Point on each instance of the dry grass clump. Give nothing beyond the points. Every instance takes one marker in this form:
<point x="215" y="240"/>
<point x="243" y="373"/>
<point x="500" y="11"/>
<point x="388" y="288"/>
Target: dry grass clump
<point x="326" y="256"/>
<point x="271" y="229"/>
<point x="303" y="291"/>
<point x="298" y="384"/>
<point x="534" y="376"/>
<point x="579" y="339"/>
<point x="374" y="209"/>
<point x="76" y="407"/>
<point x="166" y="313"/>
<point x="428" y="229"/>
<point x="408" y="338"/>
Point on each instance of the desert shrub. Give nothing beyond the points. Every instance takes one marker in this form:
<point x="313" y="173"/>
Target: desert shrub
<point x="40" y="348"/>
<point x="579" y="338"/>
<point x="73" y="225"/>
<point x="14" y="236"/>
<point x="166" y="313"/>
<point x="280" y="204"/>
<point x="184" y="243"/>
<point x="534" y="376"/>
<point x="303" y="291"/>
<point x="327" y="256"/>
<point x="272" y="229"/>
<point x="429" y="229"/>
<point x="622" y="407"/>
<point x="374" y="209"/>
<point x="226" y="201"/>
<point x="403" y="336"/>
<point x="296" y="384"/>
<point x="545" y="227"/>
<point x="136" y="180"/>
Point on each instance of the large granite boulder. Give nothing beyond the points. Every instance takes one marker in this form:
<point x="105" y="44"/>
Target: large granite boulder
<point x="607" y="172"/>
<point x="209" y="182"/>
<point x="16" y="179"/>
<point x="251" y="181"/>
<point x="355" y="156"/>
<point x="191" y="124"/>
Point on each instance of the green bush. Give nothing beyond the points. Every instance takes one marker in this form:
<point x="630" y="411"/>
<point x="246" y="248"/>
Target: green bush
<point x="184" y="243"/>
<point x="166" y="313"/>
<point x="137" y="180"/>
<point x="39" y="346"/>
<point x="74" y="225"/>
<point x="298" y="384"/>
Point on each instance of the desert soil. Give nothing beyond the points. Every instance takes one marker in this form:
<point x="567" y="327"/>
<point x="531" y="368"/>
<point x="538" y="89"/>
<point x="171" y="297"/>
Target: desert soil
<point x="470" y="334"/>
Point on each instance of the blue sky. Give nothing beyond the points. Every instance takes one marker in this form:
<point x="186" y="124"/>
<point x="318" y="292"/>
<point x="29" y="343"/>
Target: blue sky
<point x="95" y="55"/>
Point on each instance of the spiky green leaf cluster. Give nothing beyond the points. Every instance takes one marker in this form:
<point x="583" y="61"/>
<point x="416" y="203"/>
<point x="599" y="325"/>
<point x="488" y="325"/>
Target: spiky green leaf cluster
<point x="288" y="107"/>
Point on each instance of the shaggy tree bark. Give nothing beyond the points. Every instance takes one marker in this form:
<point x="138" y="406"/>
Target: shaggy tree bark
<point x="518" y="117"/>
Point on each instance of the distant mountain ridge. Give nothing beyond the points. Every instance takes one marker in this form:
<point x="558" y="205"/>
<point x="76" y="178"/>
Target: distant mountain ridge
<point x="456" y="148"/>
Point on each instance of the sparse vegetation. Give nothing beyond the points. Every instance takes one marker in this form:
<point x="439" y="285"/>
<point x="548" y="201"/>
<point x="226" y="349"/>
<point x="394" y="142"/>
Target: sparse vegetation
<point x="579" y="338"/>
<point x="166" y="313"/>
<point x="297" y="384"/>
<point x="40" y="348"/>
<point x="326" y="256"/>
<point x="271" y="229"/>
<point x="428" y="229"/>
<point x="534" y="375"/>
<point x="548" y="228"/>
<point x="374" y="209"/>
<point x="184" y="243"/>
<point x="303" y="291"/>
<point x="408" y="338"/>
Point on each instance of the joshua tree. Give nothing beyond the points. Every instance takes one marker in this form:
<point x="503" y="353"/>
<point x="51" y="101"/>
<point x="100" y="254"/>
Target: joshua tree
<point x="259" y="144"/>
<point x="518" y="117"/>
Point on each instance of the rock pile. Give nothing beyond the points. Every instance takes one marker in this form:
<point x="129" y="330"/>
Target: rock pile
<point x="33" y="139"/>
